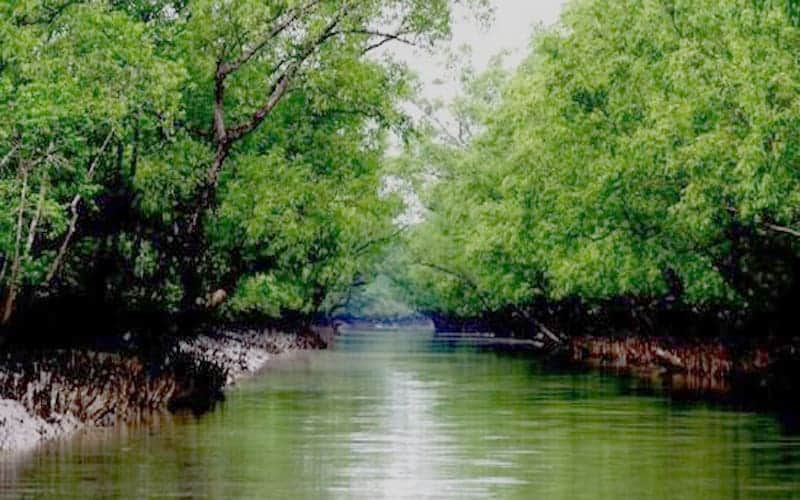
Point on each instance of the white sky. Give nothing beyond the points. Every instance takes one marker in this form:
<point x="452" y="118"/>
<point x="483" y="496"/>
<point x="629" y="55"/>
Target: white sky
<point x="511" y="30"/>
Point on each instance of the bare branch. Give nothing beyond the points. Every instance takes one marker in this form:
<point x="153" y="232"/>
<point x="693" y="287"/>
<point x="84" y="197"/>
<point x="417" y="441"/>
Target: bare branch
<point x="441" y="127"/>
<point x="784" y="230"/>
<point x="10" y="155"/>
<point x="36" y="217"/>
<point x="226" y="68"/>
<point x="13" y="285"/>
<point x="21" y="214"/>
<point x="281" y="85"/>
<point x="73" y="206"/>
<point x="461" y="277"/>
<point x="769" y="225"/>
<point x="384" y="38"/>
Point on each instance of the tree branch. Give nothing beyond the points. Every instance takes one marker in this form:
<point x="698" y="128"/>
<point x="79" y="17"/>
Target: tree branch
<point x="461" y="277"/>
<point x="51" y="15"/>
<point x="10" y="155"/>
<point x="384" y="38"/>
<point x="281" y="85"/>
<point x="227" y="68"/>
<point x="36" y="217"/>
<point x="783" y="229"/>
<point x="365" y="246"/>
<point x="13" y="282"/>
<point x="62" y="250"/>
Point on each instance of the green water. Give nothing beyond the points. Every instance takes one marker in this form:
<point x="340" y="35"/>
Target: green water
<point x="401" y="415"/>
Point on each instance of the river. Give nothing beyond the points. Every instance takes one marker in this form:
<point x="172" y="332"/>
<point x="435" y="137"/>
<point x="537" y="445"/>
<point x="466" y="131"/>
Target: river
<point x="402" y="414"/>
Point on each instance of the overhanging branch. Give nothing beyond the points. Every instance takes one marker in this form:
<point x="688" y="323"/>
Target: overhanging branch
<point x="783" y="229"/>
<point x="281" y="85"/>
<point x="279" y="27"/>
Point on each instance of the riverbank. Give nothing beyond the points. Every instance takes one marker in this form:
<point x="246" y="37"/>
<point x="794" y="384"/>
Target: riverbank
<point x="45" y="395"/>
<point x="744" y="367"/>
<point x="752" y="372"/>
<point x="403" y="411"/>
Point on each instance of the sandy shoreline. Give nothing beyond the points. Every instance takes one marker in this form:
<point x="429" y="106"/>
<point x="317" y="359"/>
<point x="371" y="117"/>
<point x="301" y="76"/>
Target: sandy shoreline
<point x="235" y="354"/>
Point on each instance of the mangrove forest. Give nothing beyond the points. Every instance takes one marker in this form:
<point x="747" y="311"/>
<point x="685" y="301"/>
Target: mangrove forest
<point x="422" y="265"/>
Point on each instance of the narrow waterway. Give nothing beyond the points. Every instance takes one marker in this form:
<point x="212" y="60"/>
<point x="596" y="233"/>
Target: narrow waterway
<point x="397" y="414"/>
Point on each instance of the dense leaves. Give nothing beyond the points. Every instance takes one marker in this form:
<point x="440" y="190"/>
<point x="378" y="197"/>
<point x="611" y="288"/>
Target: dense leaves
<point x="645" y="149"/>
<point x="198" y="155"/>
<point x="164" y="155"/>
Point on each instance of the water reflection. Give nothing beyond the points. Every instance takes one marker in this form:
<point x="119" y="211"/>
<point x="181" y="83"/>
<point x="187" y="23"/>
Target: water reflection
<point x="393" y="415"/>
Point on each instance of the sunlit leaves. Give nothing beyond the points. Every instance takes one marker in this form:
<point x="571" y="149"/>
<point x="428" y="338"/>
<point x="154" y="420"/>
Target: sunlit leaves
<point x="640" y="138"/>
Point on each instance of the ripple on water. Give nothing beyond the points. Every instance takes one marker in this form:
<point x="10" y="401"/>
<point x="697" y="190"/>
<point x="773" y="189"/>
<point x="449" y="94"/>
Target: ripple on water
<point x="404" y="415"/>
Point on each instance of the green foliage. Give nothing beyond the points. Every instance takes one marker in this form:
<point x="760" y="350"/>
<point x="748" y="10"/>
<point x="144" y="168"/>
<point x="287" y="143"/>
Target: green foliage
<point x="127" y="125"/>
<point x="306" y="215"/>
<point x="72" y="78"/>
<point x="377" y="300"/>
<point x="644" y="148"/>
<point x="167" y="178"/>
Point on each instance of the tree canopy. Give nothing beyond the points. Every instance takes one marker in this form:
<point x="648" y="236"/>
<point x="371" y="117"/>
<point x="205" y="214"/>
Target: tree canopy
<point x="155" y="153"/>
<point x="183" y="157"/>
<point x="644" y="149"/>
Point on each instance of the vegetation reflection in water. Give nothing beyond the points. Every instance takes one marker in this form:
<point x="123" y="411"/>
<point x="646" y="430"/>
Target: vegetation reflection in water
<point x="399" y="414"/>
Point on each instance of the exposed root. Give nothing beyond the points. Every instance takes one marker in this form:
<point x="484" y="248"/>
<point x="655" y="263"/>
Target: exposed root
<point x="46" y="394"/>
<point x="707" y="365"/>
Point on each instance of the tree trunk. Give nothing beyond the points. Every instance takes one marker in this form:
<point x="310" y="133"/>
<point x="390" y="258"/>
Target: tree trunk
<point x="193" y="247"/>
<point x="13" y="286"/>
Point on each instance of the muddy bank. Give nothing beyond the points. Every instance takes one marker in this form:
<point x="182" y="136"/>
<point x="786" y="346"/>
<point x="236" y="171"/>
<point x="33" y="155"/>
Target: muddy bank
<point x="713" y="353"/>
<point x="47" y="394"/>
<point x="763" y="371"/>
